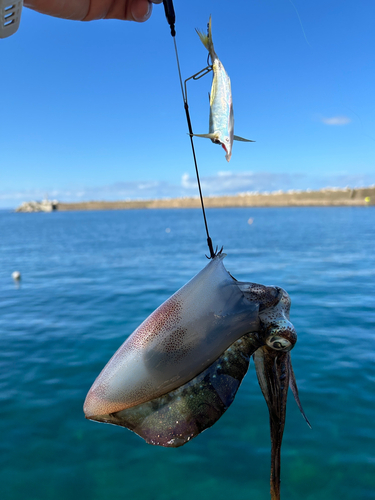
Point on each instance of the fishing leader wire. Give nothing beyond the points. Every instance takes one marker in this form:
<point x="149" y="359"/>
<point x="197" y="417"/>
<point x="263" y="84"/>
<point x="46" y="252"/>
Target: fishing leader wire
<point x="171" y="18"/>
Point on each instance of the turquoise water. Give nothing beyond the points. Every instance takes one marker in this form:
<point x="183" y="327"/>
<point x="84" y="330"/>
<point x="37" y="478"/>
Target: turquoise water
<point x="88" y="279"/>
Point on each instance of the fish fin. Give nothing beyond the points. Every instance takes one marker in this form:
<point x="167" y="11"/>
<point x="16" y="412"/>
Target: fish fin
<point x="294" y="388"/>
<point x="237" y="138"/>
<point x="175" y="418"/>
<point x="206" y="136"/>
<point x="207" y="39"/>
<point x="204" y="39"/>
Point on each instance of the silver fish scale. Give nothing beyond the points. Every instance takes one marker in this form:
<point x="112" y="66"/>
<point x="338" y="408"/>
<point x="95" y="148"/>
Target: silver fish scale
<point x="221" y="112"/>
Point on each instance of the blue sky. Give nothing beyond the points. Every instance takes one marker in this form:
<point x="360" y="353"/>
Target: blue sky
<point x="94" y="110"/>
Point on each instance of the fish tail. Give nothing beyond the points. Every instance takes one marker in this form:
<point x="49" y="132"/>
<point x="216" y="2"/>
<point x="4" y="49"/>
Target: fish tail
<point x="207" y="39"/>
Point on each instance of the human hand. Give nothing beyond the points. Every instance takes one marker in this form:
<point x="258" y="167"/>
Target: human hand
<point x="88" y="10"/>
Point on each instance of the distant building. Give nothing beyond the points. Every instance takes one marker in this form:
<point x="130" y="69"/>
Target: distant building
<point x="38" y="206"/>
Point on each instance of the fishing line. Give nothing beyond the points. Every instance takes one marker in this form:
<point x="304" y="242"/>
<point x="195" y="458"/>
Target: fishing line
<point x="300" y="22"/>
<point x="171" y="18"/>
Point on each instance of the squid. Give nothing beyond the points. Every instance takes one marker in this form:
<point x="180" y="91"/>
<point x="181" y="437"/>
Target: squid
<point x="180" y="370"/>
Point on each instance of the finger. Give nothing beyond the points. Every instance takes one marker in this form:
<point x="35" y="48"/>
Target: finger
<point x="125" y="10"/>
<point x="69" y="9"/>
<point x="140" y="10"/>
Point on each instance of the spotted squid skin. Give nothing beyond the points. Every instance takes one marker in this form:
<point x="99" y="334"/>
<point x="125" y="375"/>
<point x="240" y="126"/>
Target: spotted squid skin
<point x="176" y="342"/>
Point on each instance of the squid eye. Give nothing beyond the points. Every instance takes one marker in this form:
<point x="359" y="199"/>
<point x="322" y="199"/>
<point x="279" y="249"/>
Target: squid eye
<point x="279" y="343"/>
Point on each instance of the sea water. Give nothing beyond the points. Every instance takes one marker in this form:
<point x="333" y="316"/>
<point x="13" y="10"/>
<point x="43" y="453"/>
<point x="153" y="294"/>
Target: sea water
<point x="90" y="278"/>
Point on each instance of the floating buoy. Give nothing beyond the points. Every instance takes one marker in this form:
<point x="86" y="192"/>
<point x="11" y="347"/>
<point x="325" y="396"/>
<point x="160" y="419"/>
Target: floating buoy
<point x="16" y="275"/>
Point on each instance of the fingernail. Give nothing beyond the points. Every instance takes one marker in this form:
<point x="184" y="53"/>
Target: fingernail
<point x="146" y="16"/>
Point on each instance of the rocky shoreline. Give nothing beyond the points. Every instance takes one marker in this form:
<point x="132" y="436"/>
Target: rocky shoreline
<point x="38" y="206"/>
<point x="328" y="197"/>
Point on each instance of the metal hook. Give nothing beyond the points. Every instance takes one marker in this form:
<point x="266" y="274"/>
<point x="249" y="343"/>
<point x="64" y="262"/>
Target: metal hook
<point x="214" y="253"/>
<point x="203" y="72"/>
